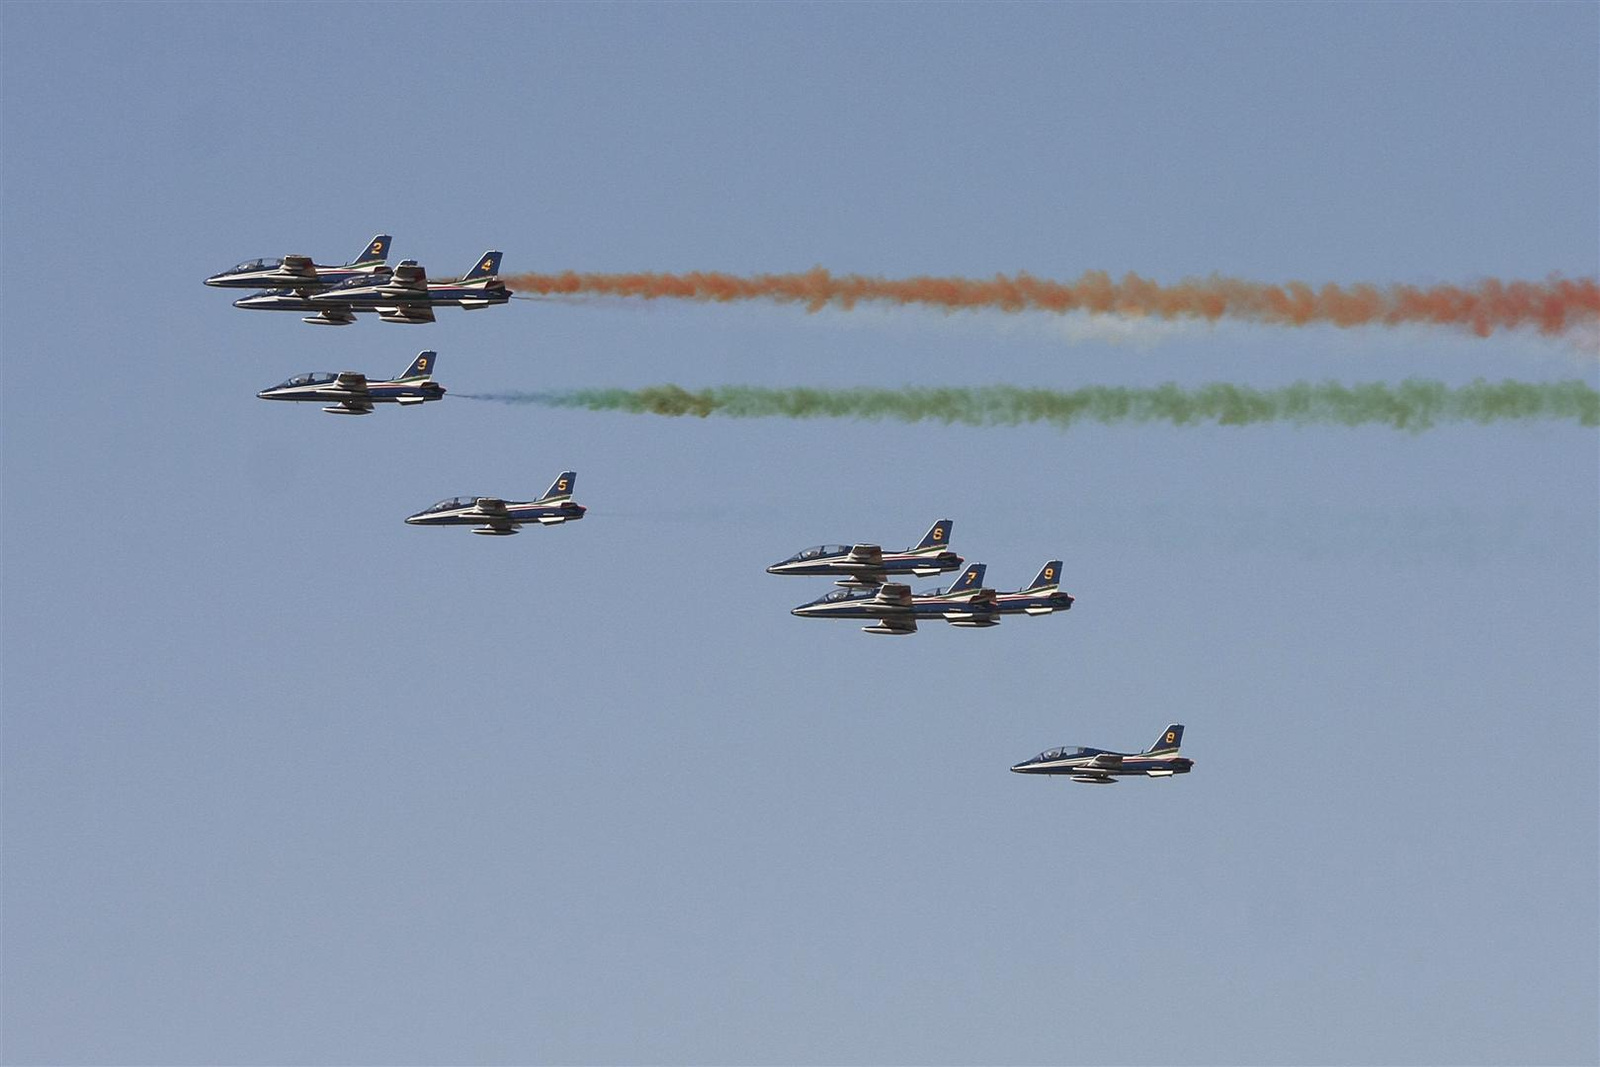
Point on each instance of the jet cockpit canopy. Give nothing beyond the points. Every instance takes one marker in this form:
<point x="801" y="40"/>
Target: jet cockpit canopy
<point x="254" y="264"/>
<point x="312" y="378"/>
<point x="818" y="551"/>
<point x="1063" y="752"/>
<point x="453" y="503"/>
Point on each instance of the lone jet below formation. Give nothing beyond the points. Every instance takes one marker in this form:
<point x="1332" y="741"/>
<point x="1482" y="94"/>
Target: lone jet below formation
<point x="870" y="565"/>
<point x="493" y="516"/>
<point x="966" y="603"/>
<point x="300" y="273"/>
<point x="350" y="393"/>
<point x="405" y="295"/>
<point x="1099" y="767"/>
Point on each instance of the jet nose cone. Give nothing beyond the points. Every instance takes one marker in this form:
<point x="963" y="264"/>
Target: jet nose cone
<point x="774" y="569"/>
<point x="213" y="280"/>
<point x="262" y="395"/>
<point x="1017" y="767"/>
<point x="412" y="520"/>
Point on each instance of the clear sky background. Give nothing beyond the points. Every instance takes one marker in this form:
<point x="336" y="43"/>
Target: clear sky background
<point x="287" y="781"/>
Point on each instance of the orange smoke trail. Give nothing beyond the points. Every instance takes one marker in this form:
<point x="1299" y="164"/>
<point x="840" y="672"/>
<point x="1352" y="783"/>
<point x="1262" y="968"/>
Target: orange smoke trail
<point x="1550" y="305"/>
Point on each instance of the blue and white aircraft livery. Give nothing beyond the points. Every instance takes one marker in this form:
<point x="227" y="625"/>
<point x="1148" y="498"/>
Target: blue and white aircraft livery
<point x="350" y="393"/>
<point x="300" y="273"/>
<point x="870" y="565"/>
<point x="405" y="295"/>
<point x="897" y="609"/>
<point x="1041" y="597"/>
<point x="1097" y="766"/>
<point x="496" y="517"/>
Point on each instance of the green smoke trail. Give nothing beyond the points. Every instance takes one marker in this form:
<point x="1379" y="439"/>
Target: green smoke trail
<point x="1410" y="405"/>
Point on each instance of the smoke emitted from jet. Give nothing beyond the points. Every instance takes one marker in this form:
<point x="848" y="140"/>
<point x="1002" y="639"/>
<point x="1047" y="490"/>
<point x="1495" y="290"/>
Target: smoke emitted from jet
<point x="1409" y="405"/>
<point x="1550" y="306"/>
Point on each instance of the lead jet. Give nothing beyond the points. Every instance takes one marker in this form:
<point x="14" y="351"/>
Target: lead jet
<point x="1096" y="766"/>
<point x="1041" y="597"/>
<point x="897" y="609"/>
<point x="495" y="517"/>
<point x="405" y="295"/>
<point x="300" y="273"/>
<point x="869" y="566"/>
<point x="350" y="393"/>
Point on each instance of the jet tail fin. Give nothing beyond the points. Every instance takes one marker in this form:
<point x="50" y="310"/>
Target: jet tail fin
<point x="971" y="579"/>
<point x="1169" y="740"/>
<point x="937" y="539"/>
<point x="377" y="251"/>
<point x="484" y="271"/>
<point x="561" y="488"/>
<point x="421" y="367"/>
<point x="1049" y="577"/>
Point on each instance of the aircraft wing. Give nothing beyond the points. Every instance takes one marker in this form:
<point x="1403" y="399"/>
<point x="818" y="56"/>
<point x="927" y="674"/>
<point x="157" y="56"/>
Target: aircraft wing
<point x="409" y="275"/>
<point x="894" y="596"/>
<point x="354" y="381"/>
<point x="492" y="506"/>
<point x="300" y="265"/>
<point x="870" y="556"/>
<point x="1106" y="759"/>
<point x="420" y="312"/>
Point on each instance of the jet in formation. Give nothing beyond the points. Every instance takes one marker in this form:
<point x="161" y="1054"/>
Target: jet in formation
<point x="300" y="273"/>
<point x="495" y="517"/>
<point x="1097" y="766"/>
<point x="351" y="393"/>
<point x="404" y="295"/>
<point x="897" y="609"/>
<point x="1042" y="596"/>
<point x="870" y="565"/>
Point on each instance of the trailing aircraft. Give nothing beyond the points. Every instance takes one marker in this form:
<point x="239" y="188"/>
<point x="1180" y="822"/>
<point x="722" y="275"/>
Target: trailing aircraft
<point x="350" y="393"/>
<point x="1040" y="597"/>
<point x="897" y="609"/>
<point x="1100" y="767"/>
<point x="869" y="565"/>
<point x="496" y="517"/>
<point x="300" y="273"/>
<point x="405" y="295"/>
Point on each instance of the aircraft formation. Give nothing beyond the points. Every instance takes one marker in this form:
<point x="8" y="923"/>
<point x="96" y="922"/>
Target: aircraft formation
<point x="334" y="295"/>
<point x="865" y="573"/>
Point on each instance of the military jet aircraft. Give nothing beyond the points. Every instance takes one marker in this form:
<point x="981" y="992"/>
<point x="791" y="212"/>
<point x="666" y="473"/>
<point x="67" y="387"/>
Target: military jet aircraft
<point x="493" y="516"/>
<point x="1099" y="767"/>
<point x="300" y="273"/>
<point x="897" y="609"/>
<point x="405" y="295"/>
<point x="350" y="393"/>
<point x="870" y="566"/>
<point x="1040" y="597"/>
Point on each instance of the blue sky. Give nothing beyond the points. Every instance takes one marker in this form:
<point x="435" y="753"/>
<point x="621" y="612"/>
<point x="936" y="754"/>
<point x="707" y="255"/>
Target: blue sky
<point x="287" y="781"/>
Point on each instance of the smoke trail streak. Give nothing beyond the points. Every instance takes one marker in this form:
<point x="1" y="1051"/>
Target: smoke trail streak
<point x="1551" y="305"/>
<point x="1410" y="405"/>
